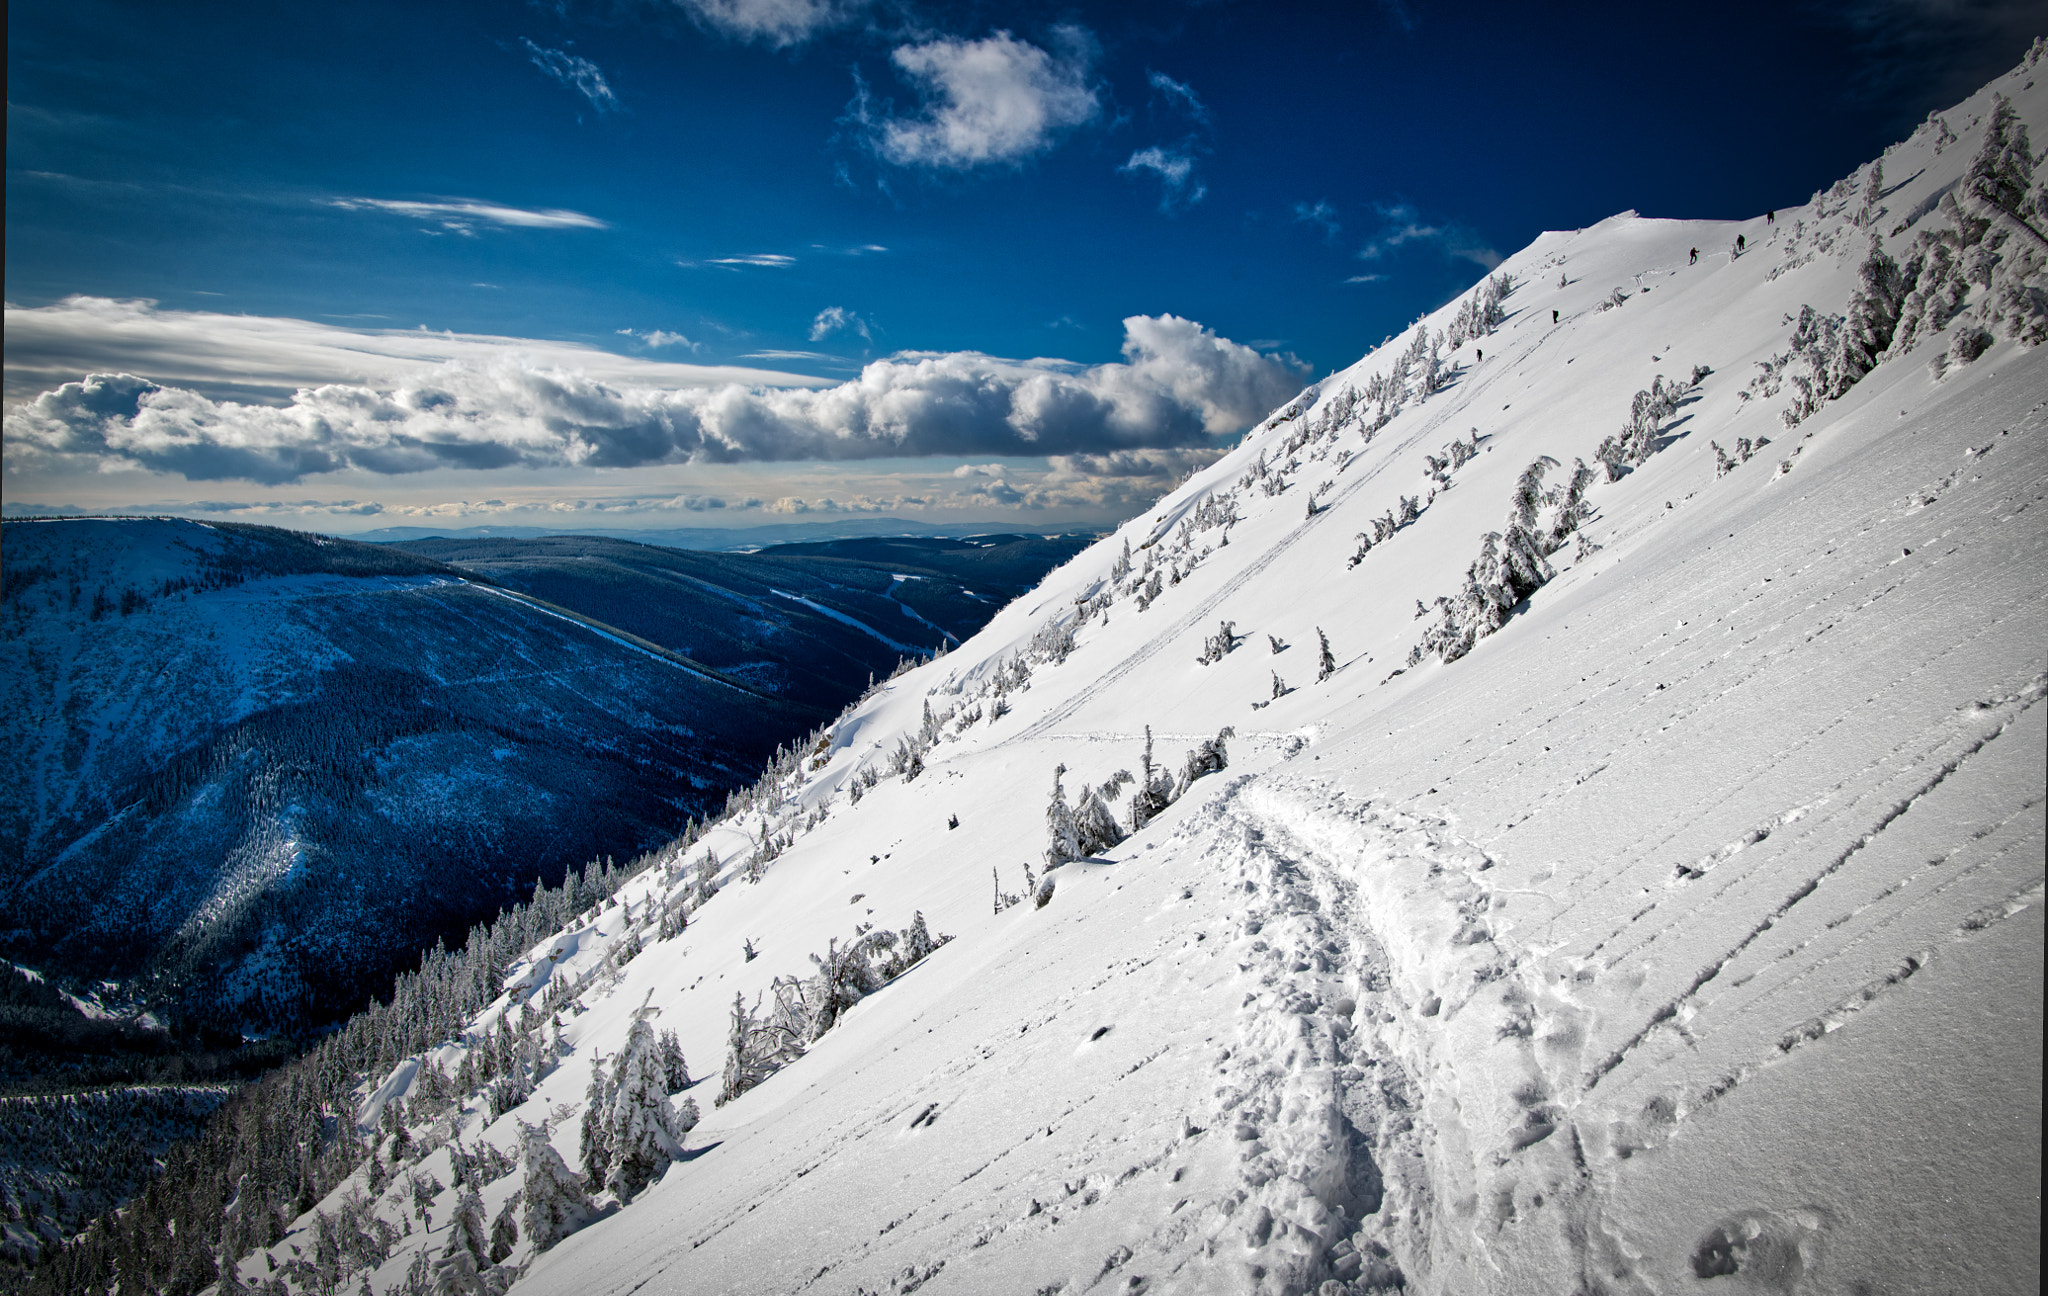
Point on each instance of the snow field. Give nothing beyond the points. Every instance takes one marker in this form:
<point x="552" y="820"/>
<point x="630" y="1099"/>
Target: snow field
<point x="1687" y="931"/>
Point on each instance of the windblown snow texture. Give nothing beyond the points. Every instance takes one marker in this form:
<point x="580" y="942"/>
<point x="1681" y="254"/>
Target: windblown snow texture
<point x="1684" y="931"/>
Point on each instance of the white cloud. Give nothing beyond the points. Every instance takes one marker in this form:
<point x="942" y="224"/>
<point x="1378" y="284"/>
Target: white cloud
<point x="268" y="358"/>
<point x="1180" y="94"/>
<point x="462" y="214"/>
<point x="1161" y="462"/>
<point x="577" y="73"/>
<point x="838" y="319"/>
<point x="1403" y="227"/>
<point x="1176" y="171"/>
<point x="772" y="22"/>
<point x="1178" y="385"/>
<point x="769" y="260"/>
<point x="657" y="338"/>
<point x="980" y="470"/>
<point x="1321" y="213"/>
<point x="986" y="101"/>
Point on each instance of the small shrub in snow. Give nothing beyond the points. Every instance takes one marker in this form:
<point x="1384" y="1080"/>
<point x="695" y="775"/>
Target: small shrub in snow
<point x="1219" y="645"/>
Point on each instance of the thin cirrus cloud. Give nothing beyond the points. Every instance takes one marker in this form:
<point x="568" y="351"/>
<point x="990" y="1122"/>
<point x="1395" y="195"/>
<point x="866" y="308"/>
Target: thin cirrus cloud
<point x="462" y="215"/>
<point x="777" y="23"/>
<point x="1403" y="227"/>
<point x="765" y="260"/>
<point x="1178" y="385"/>
<point x="999" y="100"/>
<point x="263" y="359"/>
<point x="575" y="72"/>
<point x="1174" y="165"/>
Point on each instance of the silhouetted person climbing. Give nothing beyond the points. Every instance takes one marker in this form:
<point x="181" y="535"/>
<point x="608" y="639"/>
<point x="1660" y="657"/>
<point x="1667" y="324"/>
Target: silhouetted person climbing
<point x="1482" y="354"/>
<point x="1740" y="242"/>
<point x="1695" y="257"/>
<point x="1553" y="317"/>
<point x="1770" y="218"/>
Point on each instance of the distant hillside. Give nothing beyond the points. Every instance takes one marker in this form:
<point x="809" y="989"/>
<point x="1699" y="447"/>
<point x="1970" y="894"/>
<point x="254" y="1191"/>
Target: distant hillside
<point x="808" y="622"/>
<point x="257" y="770"/>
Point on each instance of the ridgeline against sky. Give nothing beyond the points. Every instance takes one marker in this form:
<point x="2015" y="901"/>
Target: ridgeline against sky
<point x="721" y="260"/>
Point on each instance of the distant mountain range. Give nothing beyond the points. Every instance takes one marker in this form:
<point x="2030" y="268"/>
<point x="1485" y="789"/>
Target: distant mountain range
<point x="259" y="770"/>
<point x="722" y="538"/>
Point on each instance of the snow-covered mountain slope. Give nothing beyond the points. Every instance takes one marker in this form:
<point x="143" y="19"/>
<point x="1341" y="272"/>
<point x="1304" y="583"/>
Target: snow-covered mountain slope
<point x="1684" y="930"/>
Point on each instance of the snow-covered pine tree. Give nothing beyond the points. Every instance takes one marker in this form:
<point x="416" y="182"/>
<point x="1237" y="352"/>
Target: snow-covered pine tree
<point x="1208" y="757"/>
<point x="641" y="1128"/>
<point x="1095" y="828"/>
<point x="675" y="1072"/>
<point x="459" y="1272"/>
<point x="553" y="1202"/>
<point x="2001" y="177"/>
<point x="1326" y="665"/>
<point x="595" y="1140"/>
<point x="1154" y="791"/>
<point x="1063" y="840"/>
<point x="505" y="1230"/>
<point x="1873" y="317"/>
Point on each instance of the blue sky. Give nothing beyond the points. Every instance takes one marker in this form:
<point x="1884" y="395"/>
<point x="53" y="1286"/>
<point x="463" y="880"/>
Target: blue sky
<point x="662" y="213"/>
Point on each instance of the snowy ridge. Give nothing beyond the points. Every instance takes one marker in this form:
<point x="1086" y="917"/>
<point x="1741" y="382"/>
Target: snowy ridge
<point x="1686" y="926"/>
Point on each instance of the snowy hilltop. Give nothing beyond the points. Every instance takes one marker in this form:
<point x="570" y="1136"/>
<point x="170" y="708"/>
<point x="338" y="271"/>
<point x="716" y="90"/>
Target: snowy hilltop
<point x="1558" y="808"/>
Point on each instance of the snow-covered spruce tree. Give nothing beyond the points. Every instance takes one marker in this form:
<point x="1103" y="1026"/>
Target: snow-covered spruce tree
<point x="845" y="976"/>
<point x="595" y="1135"/>
<point x="505" y="1230"/>
<point x="675" y="1072"/>
<point x="1063" y="839"/>
<point x="1872" y="319"/>
<point x="1572" y="508"/>
<point x="1326" y="665"/>
<point x="460" y="1270"/>
<point x="643" y="1132"/>
<point x="1219" y="645"/>
<point x="2001" y="176"/>
<point x="1095" y="827"/>
<point x="552" y="1197"/>
<point x="1154" y="791"/>
<point x="1208" y="757"/>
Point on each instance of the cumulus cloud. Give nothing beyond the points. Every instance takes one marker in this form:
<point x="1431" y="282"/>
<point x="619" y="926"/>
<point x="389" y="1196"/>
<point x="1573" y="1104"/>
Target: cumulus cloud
<point x="266" y="358"/>
<point x="777" y="23"/>
<point x="998" y="100"/>
<point x="1179" y="384"/>
<point x="657" y="338"/>
<point x="1175" y="168"/>
<point x="838" y="319"/>
<point x="577" y="73"/>
<point x="462" y="214"/>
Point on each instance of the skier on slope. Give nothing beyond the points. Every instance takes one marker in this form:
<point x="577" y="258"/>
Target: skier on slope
<point x="1553" y="317"/>
<point x="1695" y="257"/>
<point x="1740" y="243"/>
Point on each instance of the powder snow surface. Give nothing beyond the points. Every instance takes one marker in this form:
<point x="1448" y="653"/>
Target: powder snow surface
<point x="1686" y="934"/>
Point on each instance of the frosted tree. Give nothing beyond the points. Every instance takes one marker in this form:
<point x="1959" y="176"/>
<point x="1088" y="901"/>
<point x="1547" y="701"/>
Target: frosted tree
<point x="1873" y="317"/>
<point x="552" y="1198"/>
<point x="1154" y="791"/>
<point x="595" y="1140"/>
<point x="1063" y="839"/>
<point x="675" y="1072"/>
<point x="2001" y="177"/>
<point x="1208" y="757"/>
<point x="1326" y="665"/>
<point x="505" y="1230"/>
<point x="459" y="1272"/>
<point x="1095" y="828"/>
<point x="643" y="1131"/>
